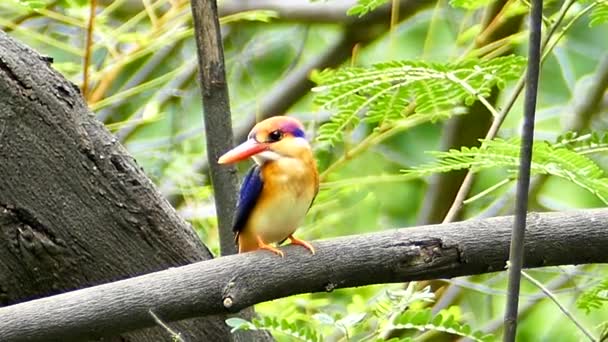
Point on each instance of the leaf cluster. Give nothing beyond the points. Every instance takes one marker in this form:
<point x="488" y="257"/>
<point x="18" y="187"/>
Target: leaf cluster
<point x="547" y="159"/>
<point x="423" y="320"/>
<point x="395" y="310"/>
<point x="386" y="92"/>
<point x="593" y="298"/>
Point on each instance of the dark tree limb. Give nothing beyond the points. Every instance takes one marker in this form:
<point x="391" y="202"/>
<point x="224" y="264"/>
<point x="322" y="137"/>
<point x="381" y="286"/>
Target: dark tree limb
<point x="218" y="128"/>
<point x="216" y="108"/>
<point x="75" y="208"/>
<point x="516" y="253"/>
<point x="238" y="281"/>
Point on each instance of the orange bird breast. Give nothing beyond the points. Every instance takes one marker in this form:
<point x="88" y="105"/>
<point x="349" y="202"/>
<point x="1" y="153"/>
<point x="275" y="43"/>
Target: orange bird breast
<point x="288" y="191"/>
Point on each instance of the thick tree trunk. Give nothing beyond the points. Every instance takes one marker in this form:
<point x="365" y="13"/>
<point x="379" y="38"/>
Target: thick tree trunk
<point x="75" y="209"/>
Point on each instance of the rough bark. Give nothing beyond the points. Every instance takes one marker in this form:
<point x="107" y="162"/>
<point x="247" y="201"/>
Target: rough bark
<point x="234" y="282"/>
<point x="75" y="209"/>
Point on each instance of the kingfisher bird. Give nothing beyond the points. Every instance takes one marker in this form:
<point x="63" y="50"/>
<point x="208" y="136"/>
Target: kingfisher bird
<point x="280" y="187"/>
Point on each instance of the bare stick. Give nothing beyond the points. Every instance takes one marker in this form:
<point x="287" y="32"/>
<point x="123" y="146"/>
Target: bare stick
<point x="563" y="309"/>
<point x="174" y="335"/>
<point x="516" y="252"/>
<point x="88" y="46"/>
<point x="218" y="125"/>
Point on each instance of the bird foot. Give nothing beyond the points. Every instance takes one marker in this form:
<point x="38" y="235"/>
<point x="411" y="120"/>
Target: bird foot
<point x="263" y="245"/>
<point x="296" y="241"/>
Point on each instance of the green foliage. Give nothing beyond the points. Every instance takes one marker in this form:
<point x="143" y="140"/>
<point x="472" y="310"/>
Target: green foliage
<point x="423" y="320"/>
<point x="365" y="6"/>
<point x="33" y="4"/>
<point x="296" y="330"/>
<point x="255" y="15"/>
<point x="392" y="310"/>
<point x="469" y="4"/>
<point x="593" y="298"/>
<point x="547" y="159"/>
<point x="593" y="142"/>
<point x="390" y="91"/>
<point x="599" y="15"/>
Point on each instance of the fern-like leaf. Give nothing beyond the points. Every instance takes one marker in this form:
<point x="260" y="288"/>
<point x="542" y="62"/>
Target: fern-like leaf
<point x="593" y="298"/>
<point x="296" y="331"/>
<point x="589" y="143"/>
<point x="388" y="91"/>
<point x="423" y="320"/>
<point x="546" y="159"/>
<point x="599" y="15"/>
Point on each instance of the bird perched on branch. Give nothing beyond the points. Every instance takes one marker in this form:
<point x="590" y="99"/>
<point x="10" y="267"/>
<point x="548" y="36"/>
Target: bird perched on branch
<point x="279" y="189"/>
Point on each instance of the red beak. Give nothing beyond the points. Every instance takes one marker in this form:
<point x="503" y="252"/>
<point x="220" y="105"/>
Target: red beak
<point x="243" y="151"/>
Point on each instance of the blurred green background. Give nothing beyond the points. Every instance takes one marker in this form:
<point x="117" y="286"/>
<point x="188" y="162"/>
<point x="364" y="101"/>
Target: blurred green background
<point x="142" y="85"/>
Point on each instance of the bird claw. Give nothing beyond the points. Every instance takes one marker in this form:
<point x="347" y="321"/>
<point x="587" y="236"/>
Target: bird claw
<point x="263" y="245"/>
<point x="296" y="241"/>
<point x="273" y="250"/>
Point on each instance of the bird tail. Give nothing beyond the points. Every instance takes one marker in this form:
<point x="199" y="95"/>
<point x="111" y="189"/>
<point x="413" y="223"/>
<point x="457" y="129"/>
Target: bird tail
<point x="246" y="242"/>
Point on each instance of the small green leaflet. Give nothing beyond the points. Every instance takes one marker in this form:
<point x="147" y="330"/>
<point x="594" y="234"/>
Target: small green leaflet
<point x="365" y="6"/>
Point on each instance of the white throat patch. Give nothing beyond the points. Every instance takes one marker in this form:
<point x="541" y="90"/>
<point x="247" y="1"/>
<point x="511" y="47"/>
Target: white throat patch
<point x="265" y="156"/>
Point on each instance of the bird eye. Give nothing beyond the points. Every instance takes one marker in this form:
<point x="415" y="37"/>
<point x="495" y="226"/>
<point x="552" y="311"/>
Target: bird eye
<point x="275" y="136"/>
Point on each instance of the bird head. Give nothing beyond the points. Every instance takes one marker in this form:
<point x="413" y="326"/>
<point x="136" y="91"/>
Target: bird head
<point x="272" y="139"/>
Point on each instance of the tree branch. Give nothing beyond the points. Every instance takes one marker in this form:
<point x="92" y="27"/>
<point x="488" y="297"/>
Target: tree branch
<point x="516" y="253"/>
<point x="218" y="124"/>
<point x="231" y="283"/>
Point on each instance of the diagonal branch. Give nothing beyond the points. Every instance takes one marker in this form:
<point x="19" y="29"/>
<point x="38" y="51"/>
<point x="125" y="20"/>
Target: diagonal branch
<point x="231" y="283"/>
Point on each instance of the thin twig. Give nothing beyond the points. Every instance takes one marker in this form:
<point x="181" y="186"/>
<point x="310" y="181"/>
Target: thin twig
<point x="559" y="305"/>
<point x="163" y="95"/>
<point x="175" y="336"/>
<point x="142" y="74"/>
<point x="467" y="183"/>
<point x="516" y="252"/>
<point x="556" y="283"/>
<point x="88" y="49"/>
<point x="19" y="20"/>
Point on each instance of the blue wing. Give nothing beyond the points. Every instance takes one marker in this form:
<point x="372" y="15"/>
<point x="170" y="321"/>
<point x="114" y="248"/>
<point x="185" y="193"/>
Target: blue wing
<point x="250" y="192"/>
